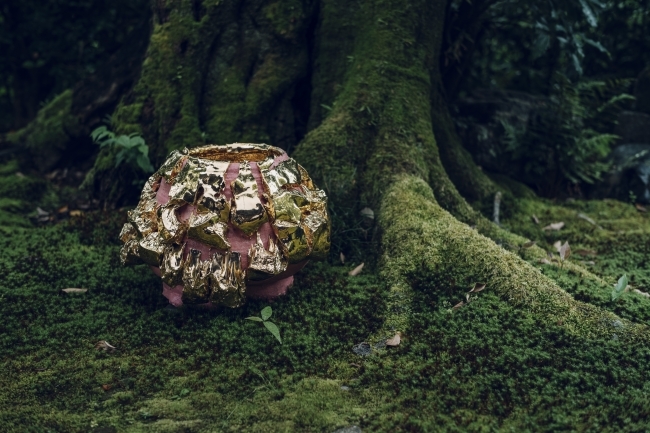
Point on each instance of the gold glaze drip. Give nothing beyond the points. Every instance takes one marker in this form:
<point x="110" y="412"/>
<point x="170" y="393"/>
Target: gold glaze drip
<point x="227" y="280"/>
<point x="130" y="253"/>
<point x="196" y="287"/>
<point x="171" y="267"/>
<point x="264" y="263"/>
<point x="247" y="212"/>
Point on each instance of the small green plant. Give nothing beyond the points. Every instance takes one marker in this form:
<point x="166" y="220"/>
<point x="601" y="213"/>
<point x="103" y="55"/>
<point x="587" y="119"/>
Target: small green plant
<point x="619" y="289"/>
<point x="272" y="327"/>
<point x="131" y="149"/>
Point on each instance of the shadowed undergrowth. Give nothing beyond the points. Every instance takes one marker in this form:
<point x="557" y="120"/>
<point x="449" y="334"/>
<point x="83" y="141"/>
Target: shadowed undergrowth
<point x="487" y="366"/>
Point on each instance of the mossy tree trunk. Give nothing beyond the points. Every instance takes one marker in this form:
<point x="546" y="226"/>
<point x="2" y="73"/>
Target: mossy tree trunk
<point x="354" y="90"/>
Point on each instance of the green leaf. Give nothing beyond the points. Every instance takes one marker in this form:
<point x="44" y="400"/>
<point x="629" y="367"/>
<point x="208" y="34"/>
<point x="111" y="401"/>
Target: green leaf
<point x="254" y="318"/>
<point x="620" y="287"/>
<point x="273" y="330"/>
<point x="589" y="13"/>
<point x="266" y="313"/>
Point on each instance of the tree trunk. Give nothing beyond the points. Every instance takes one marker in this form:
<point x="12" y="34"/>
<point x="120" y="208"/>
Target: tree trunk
<point x="363" y="81"/>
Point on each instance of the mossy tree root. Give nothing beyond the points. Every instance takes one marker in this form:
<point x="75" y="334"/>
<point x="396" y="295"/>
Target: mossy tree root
<point x="379" y="140"/>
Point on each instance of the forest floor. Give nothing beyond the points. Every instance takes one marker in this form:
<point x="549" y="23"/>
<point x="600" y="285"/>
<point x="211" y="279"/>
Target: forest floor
<point x="486" y="366"/>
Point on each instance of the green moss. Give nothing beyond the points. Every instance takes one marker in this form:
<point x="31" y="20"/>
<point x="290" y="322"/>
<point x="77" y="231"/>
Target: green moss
<point x="488" y="365"/>
<point x="47" y="136"/>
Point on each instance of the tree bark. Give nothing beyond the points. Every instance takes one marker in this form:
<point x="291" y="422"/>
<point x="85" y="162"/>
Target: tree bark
<point x="364" y="78"/>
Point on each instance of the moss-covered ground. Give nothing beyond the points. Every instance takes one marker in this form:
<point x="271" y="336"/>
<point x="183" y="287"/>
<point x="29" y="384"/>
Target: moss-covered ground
<point x="487" y="366"/>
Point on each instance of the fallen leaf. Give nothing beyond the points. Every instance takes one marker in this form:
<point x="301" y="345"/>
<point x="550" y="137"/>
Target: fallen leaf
<point x="647" y="295"/>
<point x="356" y="271"/>
<point x="76" y="213"/>
<point x="63" y="209"/>
<point x="104" y="345"/>
<point x="467" y="297"/>
<point x="557" y="245"/>
<point x="394" y="341"/>
<point x="107" y="387"/>
<point x="586" y="218"/>
<point x="554" y="226"/>
<point x="477" y="288"/>
<point x="40" y="212"/>
<point x="355" y="365"/>
<point x="529" y="244"/>
<point x="586" y="253"/>
<point x="565" y="251"/>
<point x="640" y="208"/>
<point x="545" y="261"/>
<point x="535" y="219"/>
<point x="457" y="306"/>
<point x="342" y="257"/>
<point x="19" y="174"/>
<point x="74" y="290"/>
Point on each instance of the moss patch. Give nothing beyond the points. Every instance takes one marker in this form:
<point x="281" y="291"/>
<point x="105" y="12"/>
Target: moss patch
<point x="488" y="365"/>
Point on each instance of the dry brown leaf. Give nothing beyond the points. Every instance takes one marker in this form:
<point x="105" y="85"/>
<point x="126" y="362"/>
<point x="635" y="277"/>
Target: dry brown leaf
<point x="342" y="258"/>
<point x="356" y="271"/>
<point x="395" y="340"/>
<point x="457" y="306"/>
<point x="73" y="290"/>
<point x="529" y="244"/>
<point x="477" y="287"/>
<point x="565" y="251"/>
<point x="554" y="226"/>
<point x="107" y="387"/>
<point x="545" y="261"/>
<point x="76" y="213"/>
<point x="557" y="245"/>
<point x="104" y="345"/>
<point x="647" y="295"/>
<point x="586" y="253"/>
<point x="63" y="209"/>
<point x="640" y="208"/>
<point x="535" y="219"/>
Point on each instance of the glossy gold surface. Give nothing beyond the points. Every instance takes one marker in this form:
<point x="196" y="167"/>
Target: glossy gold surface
<point x="265" y="263"/>
<point x="247" y="212"/>
<point x="209" y="197"/>
<point x="151" y="249"/>
<point x="236" y="152"/>
<point x="130" y="253"/>
<point x="170" y="228"/>
<point x="209" y="229"/>
<point x="196" y="287"/>
<point x="172" y="165"/>
<point x="144" y="217"/>
<point x="285" y="175"/>
<point x="295" y="207"/>
<point x="128" y="232"/>
<point x="172" y="265"/>
<point x="227" y="280"/>
<point x="185" y="184"/>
